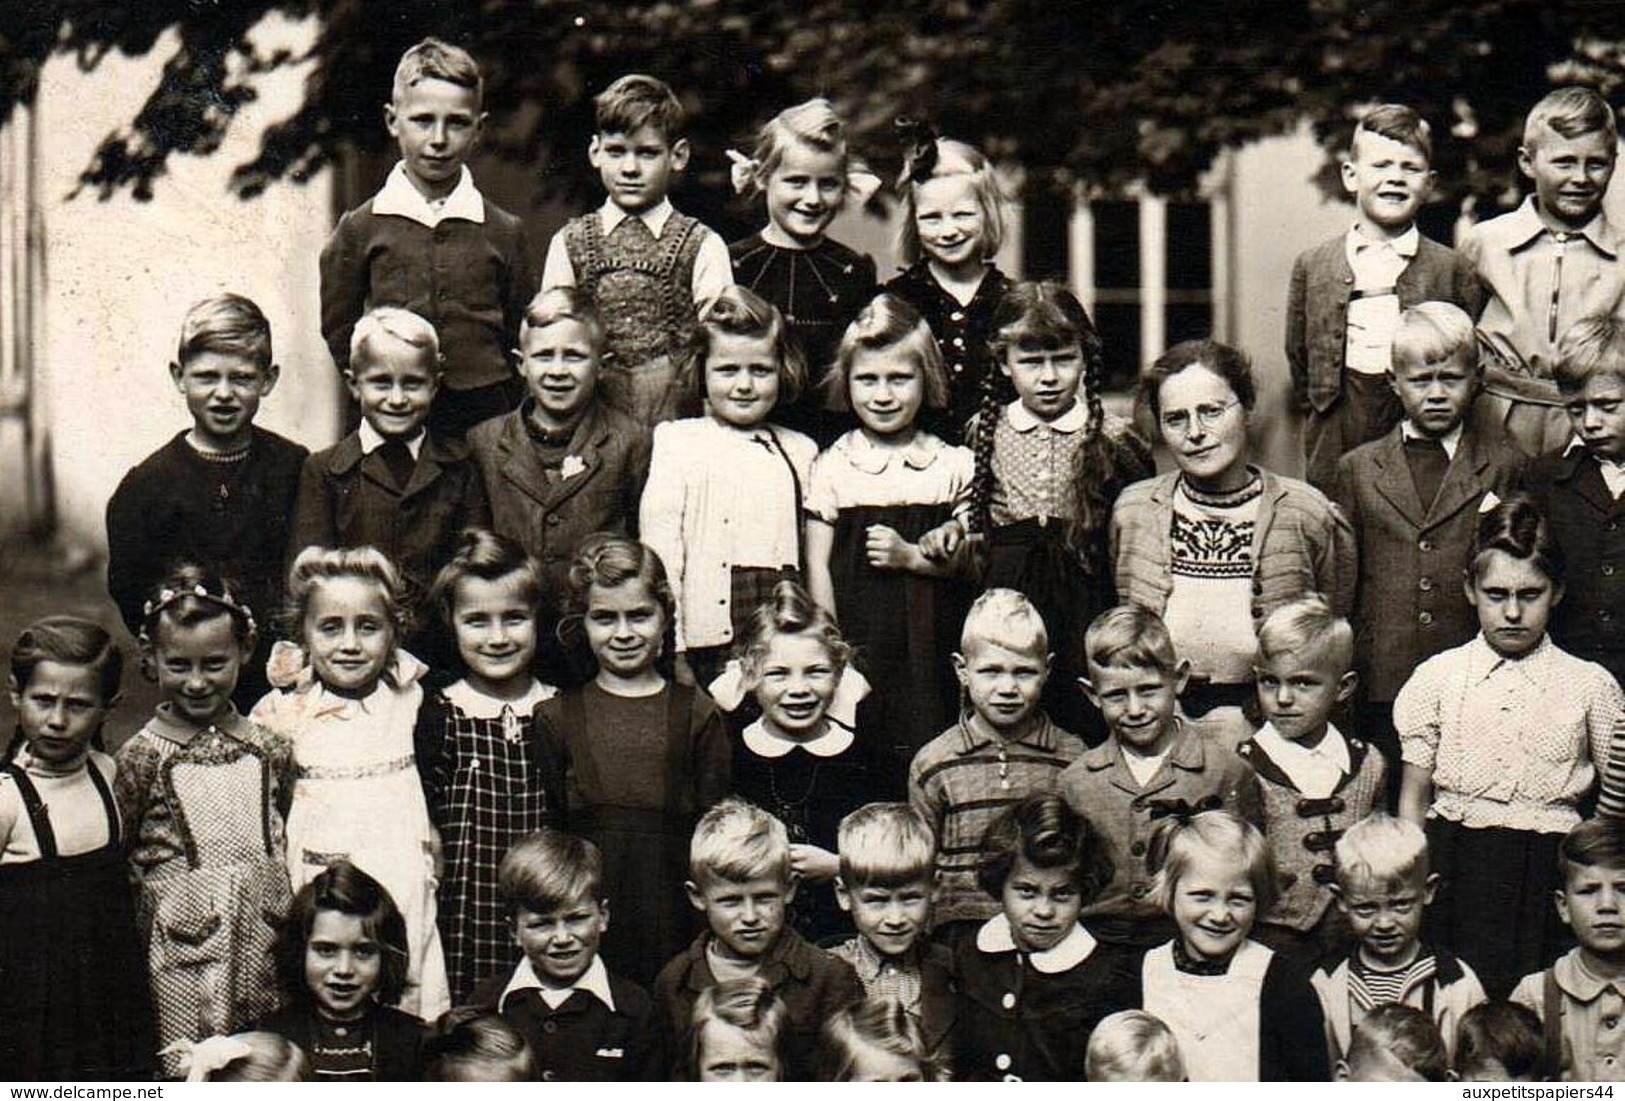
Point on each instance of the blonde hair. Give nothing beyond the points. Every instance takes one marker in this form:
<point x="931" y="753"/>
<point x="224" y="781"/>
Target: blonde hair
<point x="1006" y="618"/>
<point x="1307" y="626"/>
<point x="392" y="323"/>
<point x="565" y="304"/>
<point x="1590" y="347"/>
<point x="749" y="1006"/>
<point x="736" y="841"/>
<point x="315" y="565"/>
<point x="1176" y="840"/>
<point x="1570" y="112"/>
<point x="1383" y="850"/>
<point x="435" y="59"/>
<point x="879" y="1023"/>
<point x="788" y="611"/>
<point x="1130" y="636"/>
<point x="888" y="324"/>
<point x="228" y="324"/>
<point x="955" y="158"/>
<point x="885" y="845"/>
<point x="1133" y="1046"/>
<point x="1432" y="332"/>
<point x="270" y="1058"/>
<point x="740" y="311"/>
<point x="813" y="124"/>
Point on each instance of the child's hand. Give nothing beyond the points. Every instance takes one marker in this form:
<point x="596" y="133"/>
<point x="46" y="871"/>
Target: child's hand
<point x="681" y="671"/>
<point x="812" y="864"/>
<point x="887" y="550"/>
<point x="940" y="542"/>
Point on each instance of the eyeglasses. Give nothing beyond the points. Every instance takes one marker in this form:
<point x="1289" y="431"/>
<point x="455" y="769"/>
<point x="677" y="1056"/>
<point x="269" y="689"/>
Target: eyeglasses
<point x="1208" y="415"/>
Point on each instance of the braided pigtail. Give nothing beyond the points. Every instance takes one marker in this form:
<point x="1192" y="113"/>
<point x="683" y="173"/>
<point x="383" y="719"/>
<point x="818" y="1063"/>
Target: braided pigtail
<point x="983" y="426"/>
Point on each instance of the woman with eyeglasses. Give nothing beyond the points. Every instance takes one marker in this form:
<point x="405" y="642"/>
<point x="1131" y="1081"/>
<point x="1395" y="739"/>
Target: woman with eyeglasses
<point x="1217" y="545"/>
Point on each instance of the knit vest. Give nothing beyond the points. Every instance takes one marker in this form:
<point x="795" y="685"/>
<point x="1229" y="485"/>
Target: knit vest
<point x="644" y="292"/>
<point x="1303" y="898"/>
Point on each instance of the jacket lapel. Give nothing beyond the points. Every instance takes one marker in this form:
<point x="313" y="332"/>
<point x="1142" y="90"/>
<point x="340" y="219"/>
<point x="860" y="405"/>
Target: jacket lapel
<point x="1463" y="481"/>
<point x="521" y="465"/>
<point x="589" y="437"/>
<point x="1394" y="482"/>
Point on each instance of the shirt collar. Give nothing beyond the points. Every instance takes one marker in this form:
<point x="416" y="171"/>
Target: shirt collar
<point x="655" y="217"/>
<point x="171" y="726"/>
<point x="1482" y="659"/>
<point x="1333" y="748"/>
<point x="594" y="981"/>
<point x="1041" y="736"/>
<point x="1404" y="245"/>
<point x="372" y="440"/>
<point x="834" y="741"/>
<point x="1072" y="950"/>
<point x="869" y="458"/>
<point x="1575" y="980"/>
<point x="1073" y="420"/>
<point x="1525" y="225"/>
<point x="400" y="198"/>
<point x="477" y="705"/>
<point x="1449" y="441"/>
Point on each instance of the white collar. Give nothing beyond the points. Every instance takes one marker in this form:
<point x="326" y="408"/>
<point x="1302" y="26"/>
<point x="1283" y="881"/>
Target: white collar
<point x="1577" y="443"/>
<point x="400" y="198"/>
<point x="477" y="705"/>
<point x="866" y="456"/>
<point x="1483" y="659"/>
<point x="1073" y="949"/>
<point x="1404" y="245"/>
<point x="594" y="981"/>
<point x="372" y="440"/>
<point x="1333" y="748"/>
<point x="1073" y="420"/>
<point x="1449" y="441"/>
<point x="655" y="217"/>
<point x="834" y="741"/>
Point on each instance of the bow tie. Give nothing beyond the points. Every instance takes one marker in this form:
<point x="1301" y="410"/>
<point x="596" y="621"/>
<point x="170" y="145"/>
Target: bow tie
<point x="1183" y="809"/>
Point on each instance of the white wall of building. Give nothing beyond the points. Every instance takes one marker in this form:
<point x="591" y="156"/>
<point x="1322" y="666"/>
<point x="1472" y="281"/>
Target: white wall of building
<point x="121" y="273"/>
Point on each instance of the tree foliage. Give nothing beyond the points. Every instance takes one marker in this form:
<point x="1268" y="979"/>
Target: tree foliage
<point x="1098" y="94"/>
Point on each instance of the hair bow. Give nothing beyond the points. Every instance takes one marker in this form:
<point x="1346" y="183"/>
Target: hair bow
<point x="288" y="666"/>
<point x="202" y="1058"/>
<point x="1183" y="809"/>
<point x="742" y="171"/>
<point x="919" y="149"/>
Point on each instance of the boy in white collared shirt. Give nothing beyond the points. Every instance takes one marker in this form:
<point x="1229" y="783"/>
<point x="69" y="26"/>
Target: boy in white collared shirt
<point x="431" y="243"/>
<point x="582" y="1023"/>
<point x="647" y="266"/>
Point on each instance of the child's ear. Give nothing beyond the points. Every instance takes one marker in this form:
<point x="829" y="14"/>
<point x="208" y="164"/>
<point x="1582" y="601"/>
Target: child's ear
<point x="15" y="691"/>
<point x="391" y="122"/>
<point x="1562" y="901"/>
<point x="1430" y="887"/>
<point x="1526" y="161"/>
<point x="696" y="899"/>
<point x="1182" y="676"/>
<point x="1347" y="171"/>
<point x="790" y="885"/>
<point x="679" y="154"/>
<point x="1557" y="593"/>
<point x="594" y="151"/>
<point x="961" y="673"/>
<point x="603" y="915"/>
<point x="843" y="897"/>
<point x="1089" y="691"/>
<point x="272" y="372"/>
<point x="351" y="384"/>
<point x="1346" y="684"/>
<point x="176" y="373"/>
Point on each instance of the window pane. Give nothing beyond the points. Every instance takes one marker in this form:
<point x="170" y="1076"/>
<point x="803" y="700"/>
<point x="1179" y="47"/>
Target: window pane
<point x="1119" y="325"/>
<point x="1117" y="244"/>
<point x="1189" y="321"/>
<point x="1190" y="246"/>
<point x="1044" y="223"/>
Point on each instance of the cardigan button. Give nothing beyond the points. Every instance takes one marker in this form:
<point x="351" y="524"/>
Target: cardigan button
<point x="1425" y="584"/>
<point x="1425" y="545"/>
<point x="1002" y="1060"/>
<point x="1425" y="618"/>
<point x="1009" y="1002"/>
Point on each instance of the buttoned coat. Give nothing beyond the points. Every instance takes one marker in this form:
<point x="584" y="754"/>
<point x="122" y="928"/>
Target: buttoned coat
<point x="550" y="519"/>
<point x="1409" y="604"/>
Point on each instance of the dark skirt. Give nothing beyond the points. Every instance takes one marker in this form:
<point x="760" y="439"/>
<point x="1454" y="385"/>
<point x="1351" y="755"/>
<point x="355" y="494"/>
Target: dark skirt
<point x="1033" y="559"/>
<point x="74" y="1002"/>
<point x="645" y="864"/>
<point x="1494" y="905"/>
<point x="903" y="627"/>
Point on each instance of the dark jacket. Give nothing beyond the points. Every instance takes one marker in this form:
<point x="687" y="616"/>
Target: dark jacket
<point x="471" y="280"/>
<point x="398" y="1038"/>
<point x="812" y="984"/>
<point x="1318" y="307"/>
<point x="1408" y="604"/>
<point x="583" y="1040"/>
<point x="1589" y="524"/>
<point x="347" y="499"/>
<point x="169" y="509"/>
<point x="938" y="993"/>
<point x="551" y="519"/>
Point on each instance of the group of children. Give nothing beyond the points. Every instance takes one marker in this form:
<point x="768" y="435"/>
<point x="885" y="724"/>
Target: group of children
<point x="766" y="604"/>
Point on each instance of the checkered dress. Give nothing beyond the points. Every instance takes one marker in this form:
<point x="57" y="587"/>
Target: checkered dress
<point x="485" y="793"/>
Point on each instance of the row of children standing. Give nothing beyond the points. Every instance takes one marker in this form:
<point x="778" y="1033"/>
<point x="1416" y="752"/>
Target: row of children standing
<point x="890" y="506"/>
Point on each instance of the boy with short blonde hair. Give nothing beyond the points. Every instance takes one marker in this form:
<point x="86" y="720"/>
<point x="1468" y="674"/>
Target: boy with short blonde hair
<point x="431" y="243"/>
<point x="648" y="267"/>
<point x="1580" y="487"/>
<point x="888" y="866"/>
<point x="218" y="494"/>
<point x="1549" y="263"/>
<point x="739" y="864"/>
<point x="1002" y="749"/>
<point x="1347" y="293"/>
<point x="1382" y="886"/>
<point x="1152" y="764"/>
